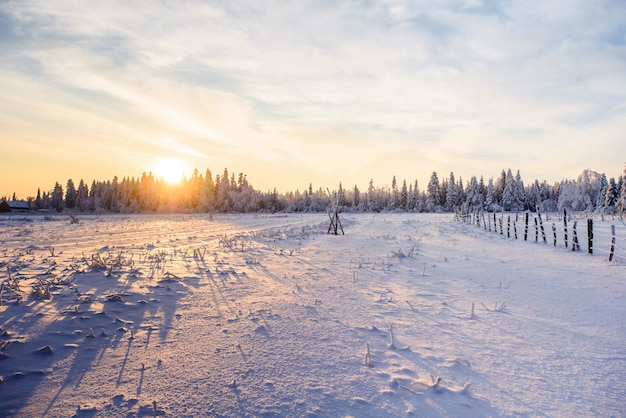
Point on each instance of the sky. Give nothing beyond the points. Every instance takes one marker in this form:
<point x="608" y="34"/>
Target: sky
<point x="293" y="93"/>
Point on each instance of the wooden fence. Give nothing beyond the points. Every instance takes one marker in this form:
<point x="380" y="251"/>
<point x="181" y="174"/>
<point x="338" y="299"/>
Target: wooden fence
<point x="573" y="232"/>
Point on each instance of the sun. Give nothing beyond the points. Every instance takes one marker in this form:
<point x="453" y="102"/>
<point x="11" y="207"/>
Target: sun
<point x="171" y="170"/>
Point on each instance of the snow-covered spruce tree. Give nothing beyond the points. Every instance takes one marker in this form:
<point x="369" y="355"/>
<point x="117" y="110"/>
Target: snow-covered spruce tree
<point x="622" y="195"/>
<point x="452" y="194"/>
<point x="414" y="197"/>
<point x="599" y="203"/>
<point x="498" y="188"/>
<point x="474" y="198"/>
<point x="82" y="197"/>
<point x="513" y="195"/>
<point x="433" y="194"/>
<point x="222" y="183"/>
<point x="533" y="196"/>
<point x="491" y="204"/>
<point x="92" y="202"/>
<point x="370" y="196"/>
<point x="341" y="196"/>
<point x="404" y="196"/>
<point x="56" y="200"/>
<point x="619" y="204"/>
<point x="356" y="199"/>
<point x="38" y="200"/>
<point x="470" y="191"/>
<point x="70" y="194"/>
<point x="610" y="197"/>
<point x="520" y="193"/>
<point x="443" y="194"/>
<point x="395" y="195"/>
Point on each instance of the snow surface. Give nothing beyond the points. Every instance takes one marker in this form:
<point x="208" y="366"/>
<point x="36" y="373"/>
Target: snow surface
<point x="268" y="316"/>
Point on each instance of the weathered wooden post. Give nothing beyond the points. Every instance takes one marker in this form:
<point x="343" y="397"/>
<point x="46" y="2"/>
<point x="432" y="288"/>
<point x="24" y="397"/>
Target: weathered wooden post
<point x="589" y="236"/>
<point x="526" y="226"/>
<point x="484" y="223"/>
<point x="508" y="227"/>
<point x="575" y="246"/>
<point x="543" y="232"/>
<point x="495" y="224"/>
<point x="489" y="219"/>
<point x="515" y="229"/>
<point x="554" y="232"/>
<point x="612" y="249"/>
<point x="565" y="226"/>
<point x="536" y="231"/>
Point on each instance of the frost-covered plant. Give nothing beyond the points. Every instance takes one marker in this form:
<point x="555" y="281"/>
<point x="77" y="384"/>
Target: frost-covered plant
<point x="392" y="343"/>
<point x="368" y="356"/>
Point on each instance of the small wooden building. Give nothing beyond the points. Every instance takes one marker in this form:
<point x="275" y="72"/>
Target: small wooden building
<point x="14" y="206"/>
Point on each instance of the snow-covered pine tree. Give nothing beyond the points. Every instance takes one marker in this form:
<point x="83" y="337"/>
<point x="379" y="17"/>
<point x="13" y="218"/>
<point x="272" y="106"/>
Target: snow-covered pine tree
<point x="490" y="204"/>
<point x="415" y="197"/>
<point x="433" y="193"/>
<point x="356" y="198"/>
<point x="394" y="201"/>
<point x="474" y="200"/>
<point x="604" y="184"/>
<point x="508" y="193"/>
<point x="82" y="197"/>
<point x="451" y="193"/>
<point x="370" y="196"/>
<point x="340" y="196"/>
<point x="460" y="189"/>
<point x="56" y="200"/>
<point x="70" y="194"/>
<point x="519" y="193"/>
<point x="610" y="197"/>
<point x="620" y="201"/>
<point x="404" y="196"/>
<point x="38" y="201"/>
<point x="498" y="188"/>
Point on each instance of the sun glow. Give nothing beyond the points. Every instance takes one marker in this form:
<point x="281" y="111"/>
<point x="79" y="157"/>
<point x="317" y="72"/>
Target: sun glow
<point x="170" y="170"/>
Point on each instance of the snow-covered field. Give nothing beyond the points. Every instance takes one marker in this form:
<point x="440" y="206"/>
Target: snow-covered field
<point x="268" y="316"/>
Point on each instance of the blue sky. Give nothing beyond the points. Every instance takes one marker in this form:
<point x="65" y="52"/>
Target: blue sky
<point x="322" y="92"/>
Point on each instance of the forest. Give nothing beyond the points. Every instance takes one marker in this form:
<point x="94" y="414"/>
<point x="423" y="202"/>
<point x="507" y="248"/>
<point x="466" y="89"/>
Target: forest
<point x="590" y="192"/>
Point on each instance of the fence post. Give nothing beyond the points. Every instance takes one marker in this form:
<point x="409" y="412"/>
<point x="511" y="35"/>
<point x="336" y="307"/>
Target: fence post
<point x="565" y="225"/>
<point x="590" y="236"/>
<point x="508" y="227"/>
<point x="484" y="223"/>
<point x="526" y="226"/>
<point x="575" y="246"/>
<point x="495" y="224"/>
<point x="554" y="232"/>
<point x="536" y="231"/>
<point x="489" y="221"/>
<point x="515" y="229"/>
<point x="501" y="227"/>
<point x="543" y="232"/>
<point x="612" y="250"/>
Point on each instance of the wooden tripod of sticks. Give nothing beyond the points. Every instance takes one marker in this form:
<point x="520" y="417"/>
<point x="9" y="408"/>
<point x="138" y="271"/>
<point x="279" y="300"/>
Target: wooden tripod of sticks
<point x="335" y="223"/>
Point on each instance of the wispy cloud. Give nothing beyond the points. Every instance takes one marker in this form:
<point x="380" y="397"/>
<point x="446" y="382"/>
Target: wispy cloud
<point x="320" y="91"/>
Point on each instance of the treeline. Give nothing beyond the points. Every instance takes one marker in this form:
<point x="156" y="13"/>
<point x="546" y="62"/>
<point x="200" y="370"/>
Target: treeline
<point x="591" y="192"/>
